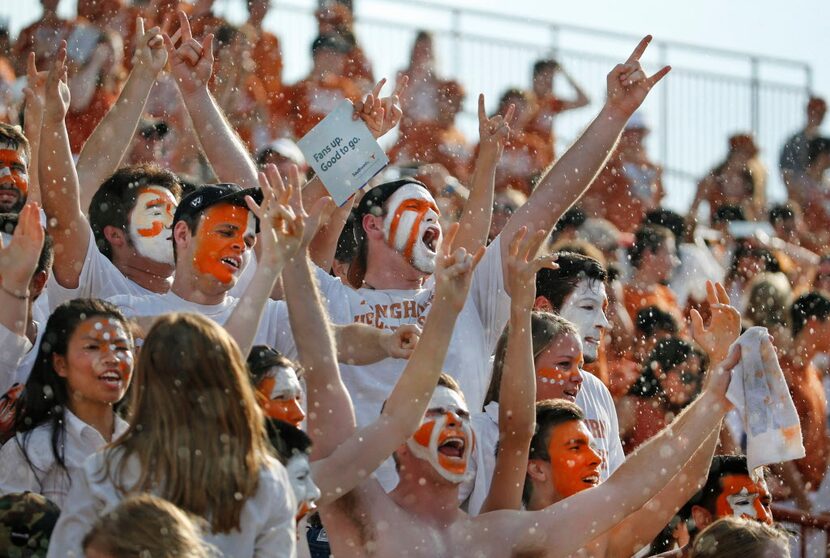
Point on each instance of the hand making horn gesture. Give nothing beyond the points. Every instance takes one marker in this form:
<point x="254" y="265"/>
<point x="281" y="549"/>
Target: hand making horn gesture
<point x="191" y="62"/>
<point x="628" y="84"/>
<point x="493" y="132"/>
<point x="381" y="114"/>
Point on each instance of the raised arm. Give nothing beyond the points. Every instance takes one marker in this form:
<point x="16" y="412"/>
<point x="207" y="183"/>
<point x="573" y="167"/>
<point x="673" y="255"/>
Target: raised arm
<point x="192" y="66"/>
<point x="103" y="152"/>
<point x="18" y="261"/>
<point x="364" y="451"/>
<point x="571" y="523"/>
<point x="478" y="211"/>
<point x="281" y="234"/>
<point x="59" y="182"/>
<point x="517" y="394"/>
<point x="581" y="98"/>
<point x="32" y="122"/>
<point x="570" y="176"/>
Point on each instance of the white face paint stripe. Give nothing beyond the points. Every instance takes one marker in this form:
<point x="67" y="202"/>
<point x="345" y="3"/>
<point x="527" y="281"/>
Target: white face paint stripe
<point x="286" y="383"/>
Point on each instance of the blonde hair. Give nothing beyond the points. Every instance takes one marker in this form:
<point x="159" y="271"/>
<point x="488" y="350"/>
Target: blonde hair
<point x="731" y="537"/>
<point x="145" y="526"/>
<point x="195" y="427"/>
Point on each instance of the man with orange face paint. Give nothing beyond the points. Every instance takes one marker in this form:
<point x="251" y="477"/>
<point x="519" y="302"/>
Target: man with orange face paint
<point x="729" y="491"/>
<point x="278" y="389"/>
<point x="14" y="163"/>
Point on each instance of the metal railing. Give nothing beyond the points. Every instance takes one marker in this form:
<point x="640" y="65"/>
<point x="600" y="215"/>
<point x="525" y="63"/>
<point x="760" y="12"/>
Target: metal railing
<point x="805" y="524"/>
<point x="710" y="94"/>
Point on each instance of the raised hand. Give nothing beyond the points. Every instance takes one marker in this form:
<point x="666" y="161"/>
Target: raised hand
<point x="192" y="62"/>
<point x="628" y="84"/>
<point x="493" y="132"/>
<point x="150" y="52"/>
<point x="19" y="259"/>
<point x="453" y="272"/>
<point x="57" y="87"/>
<point x="402" y="341"/>
<point x="381" y="114"/>
<point x="522" y="266"/>
<point x="35" y="89"/>
<point x="724" y="325"/>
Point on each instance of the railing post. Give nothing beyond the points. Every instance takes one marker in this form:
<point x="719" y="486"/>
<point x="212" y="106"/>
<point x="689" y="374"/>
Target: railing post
<point x="456" y="39"/>
<point x="554" y="41"/>
<point x="755" y="96"/>
<point x="664" y="106"/>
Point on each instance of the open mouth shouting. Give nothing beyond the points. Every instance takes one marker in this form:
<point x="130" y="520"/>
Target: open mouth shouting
<point x="592" y="479"/>
<point x="112" y="379"/>
<point x="8" y="196"/>
<point x="430" y="238"/>
<point x="233" y="262"/>
<point x="453" y="448"/>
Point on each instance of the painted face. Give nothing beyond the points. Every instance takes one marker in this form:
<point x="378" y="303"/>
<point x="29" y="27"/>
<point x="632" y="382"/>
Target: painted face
<point x="412" y="226"/>
<point x="574" y="464"/>
<point x="740" y="497"/>
<point x="305" y="491"/>
<point x="585" y="308"/>
<point x="223" y="238"/>
<point x="681" y="383"/>
<point x="445" y="437"/>
<point x="14" y="179"/>
<point x="150" y="223"/>
<point x="557" y="369"/>
<point x="98" y="364"/>
<point x="279" y="394"/>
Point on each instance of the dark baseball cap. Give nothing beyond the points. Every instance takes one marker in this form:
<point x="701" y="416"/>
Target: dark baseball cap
<point x="26" y="523"/>
<point x="196" y="202"/>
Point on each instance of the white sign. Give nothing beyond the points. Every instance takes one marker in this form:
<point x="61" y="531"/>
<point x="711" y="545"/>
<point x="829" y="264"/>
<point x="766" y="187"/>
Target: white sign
<point x="343" y="153"/>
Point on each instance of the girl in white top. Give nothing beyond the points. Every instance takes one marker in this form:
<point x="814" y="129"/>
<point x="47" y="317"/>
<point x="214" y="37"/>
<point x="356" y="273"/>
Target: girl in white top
<point x="83" y="368"/>
<point x="196" y="438"/>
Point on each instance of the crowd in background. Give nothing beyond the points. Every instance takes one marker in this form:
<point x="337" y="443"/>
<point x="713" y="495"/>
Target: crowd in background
<point x="114" y="128"/>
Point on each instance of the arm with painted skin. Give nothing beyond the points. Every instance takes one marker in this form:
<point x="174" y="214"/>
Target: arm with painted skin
<point x="59" y="182"/>
<point x="566" y="181"/>
<point x="364" y="451"/>
<point x="192" y="66"/>
<point x="103" y="152"/>
<point x="478" y="211"/>
<point x="570" y="524"/>
<point x="517" y="393"/>
<point x="18" y="260"/>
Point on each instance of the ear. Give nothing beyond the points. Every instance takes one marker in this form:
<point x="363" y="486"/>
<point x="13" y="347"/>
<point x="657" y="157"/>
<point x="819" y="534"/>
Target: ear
<point x="59" y="364"/>
<point x="38" y="283"/>
<point x="543" y="304"/>
<point x="538" y="470"/>
<point x="701" y="517"/>
<point x="116" y="237"/>
<point x="373" y="225"/>
<point x="181" y="234"/>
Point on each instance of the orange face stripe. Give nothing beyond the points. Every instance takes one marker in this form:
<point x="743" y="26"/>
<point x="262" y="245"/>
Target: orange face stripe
<point x="420" y="207"/>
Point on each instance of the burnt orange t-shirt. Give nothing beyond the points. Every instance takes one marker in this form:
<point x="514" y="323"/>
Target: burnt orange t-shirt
<point x="811" y="403"/>
<point x="307" y="102"/>
<point x="541" y="123"/>
<point x="430" y="143"/>
<point x="522" y="163"/>
<point x="81" y="124"/>
<point x="660" y="296"/>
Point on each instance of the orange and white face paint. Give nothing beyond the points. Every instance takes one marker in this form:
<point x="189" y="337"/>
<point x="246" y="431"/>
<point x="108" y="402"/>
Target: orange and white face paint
<point x="445" y="437"/>
<point x="150" y="222"/>
<point x="305" y="491"/>
<point x="225" y="234"/>
<point x="14" y="178"/>
<point x="412" y="227"/>
<point x="99" y="361"/>
<point x="575" y="465"/>
<point x="741" y="497"/>
<point x="279" y="394"/>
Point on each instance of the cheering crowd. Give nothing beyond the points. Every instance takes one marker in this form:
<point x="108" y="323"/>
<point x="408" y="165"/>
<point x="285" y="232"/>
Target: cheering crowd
<point x="492" y="349"/>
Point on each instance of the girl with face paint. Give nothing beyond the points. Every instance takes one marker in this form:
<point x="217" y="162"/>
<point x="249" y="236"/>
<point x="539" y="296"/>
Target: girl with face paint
<point x="83" y="368"/>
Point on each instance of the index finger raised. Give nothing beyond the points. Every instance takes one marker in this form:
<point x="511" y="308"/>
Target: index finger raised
<point x="184" y="26"/>
<point x="639" y="49"/>
<point x="482" y="114"/>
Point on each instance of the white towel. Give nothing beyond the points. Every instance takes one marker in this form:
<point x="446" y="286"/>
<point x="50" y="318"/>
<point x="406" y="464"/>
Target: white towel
<point x="759" y="392"/>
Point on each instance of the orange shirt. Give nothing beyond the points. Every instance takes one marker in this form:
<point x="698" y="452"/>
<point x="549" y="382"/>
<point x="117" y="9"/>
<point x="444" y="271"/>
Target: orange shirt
<point x="429" y="143"/>
<point x="80" y="125"/>
<point x="41" y="38"/>
<point x="307" y="102"/>
<point x="522" y="163"/>
<point x="660" y="296"/>
<point x="649" y="420"/>
<point x="811" y="403"/>
<point x="541" y="123"/>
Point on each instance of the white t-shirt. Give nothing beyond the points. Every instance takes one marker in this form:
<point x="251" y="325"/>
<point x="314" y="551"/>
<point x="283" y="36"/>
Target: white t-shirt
<point x="600" y="417"/>
<point x="47" y="478"/>
<point x="99" y="278"/>
<point x="476" y="333"/>
<point x="267" y="521"/>
<point x="273" y="328"/>
<point x="14" y="378"/>
<point x="13" y="349"/>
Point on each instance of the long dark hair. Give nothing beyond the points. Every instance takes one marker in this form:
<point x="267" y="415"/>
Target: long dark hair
<point x="45" y="397"/>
